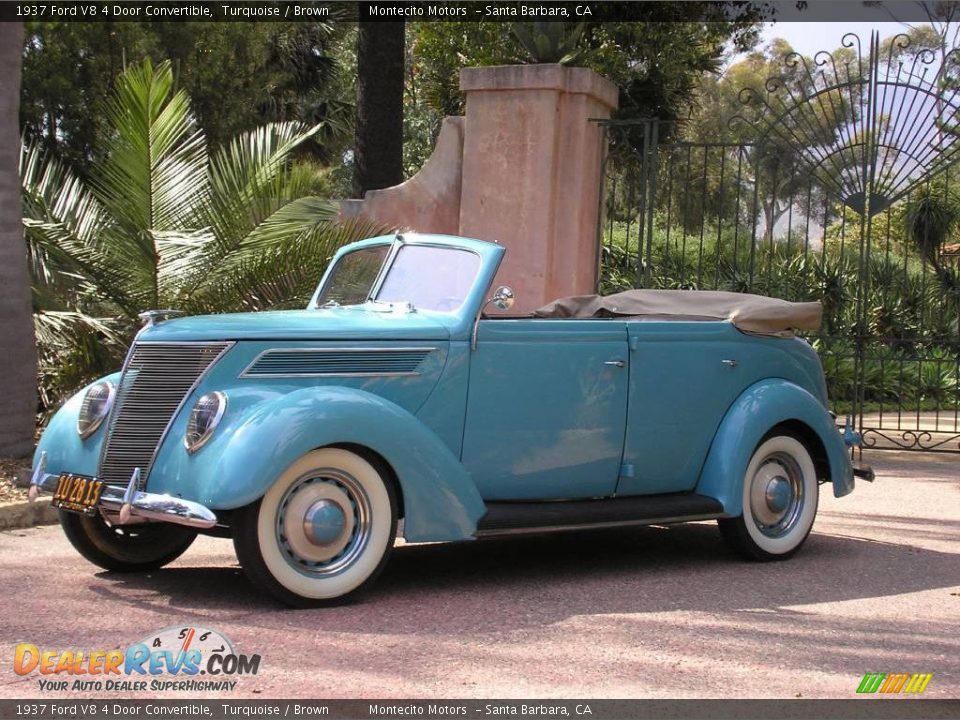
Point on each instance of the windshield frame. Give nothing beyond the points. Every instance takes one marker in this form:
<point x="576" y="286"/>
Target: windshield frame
<point x="386" y="267"/>
<point x="335" y="263"/>
<point x="397" y="243"/>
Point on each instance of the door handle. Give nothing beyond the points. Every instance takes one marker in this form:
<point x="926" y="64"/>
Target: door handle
<point x="616" y="363"/>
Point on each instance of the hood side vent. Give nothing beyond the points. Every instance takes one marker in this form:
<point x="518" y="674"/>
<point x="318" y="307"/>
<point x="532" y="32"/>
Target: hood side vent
<point x="337" y="362"/>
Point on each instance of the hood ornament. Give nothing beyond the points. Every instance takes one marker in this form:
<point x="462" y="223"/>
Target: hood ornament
<point x="154" y="317"/>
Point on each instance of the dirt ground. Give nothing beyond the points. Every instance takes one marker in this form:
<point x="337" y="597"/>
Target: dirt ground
<point x="9" y="469"/>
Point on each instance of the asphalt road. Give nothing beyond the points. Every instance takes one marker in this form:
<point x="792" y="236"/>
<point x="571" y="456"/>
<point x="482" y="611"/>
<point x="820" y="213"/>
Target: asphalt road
<point x="647" y="612"/>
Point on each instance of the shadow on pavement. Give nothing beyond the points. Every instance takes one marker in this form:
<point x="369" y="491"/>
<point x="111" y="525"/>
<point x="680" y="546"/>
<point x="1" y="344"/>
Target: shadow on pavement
<point x="538" y="580"/>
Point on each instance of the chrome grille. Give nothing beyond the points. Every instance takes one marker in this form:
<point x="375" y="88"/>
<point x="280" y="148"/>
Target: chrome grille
<point x="310" y="362"/>
<point x="156" y="381"/>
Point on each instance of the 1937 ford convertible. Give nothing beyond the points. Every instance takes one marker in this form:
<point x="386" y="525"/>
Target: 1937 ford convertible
<point x="306" y="435"/>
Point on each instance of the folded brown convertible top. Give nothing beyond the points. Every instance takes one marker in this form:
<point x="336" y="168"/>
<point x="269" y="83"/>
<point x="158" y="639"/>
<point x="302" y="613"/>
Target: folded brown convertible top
<point x="750" y="313"/>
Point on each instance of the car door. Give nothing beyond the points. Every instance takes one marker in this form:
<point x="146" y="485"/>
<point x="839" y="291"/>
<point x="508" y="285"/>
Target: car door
<point x="683" y="377"/>
<point x="546" y="408"/>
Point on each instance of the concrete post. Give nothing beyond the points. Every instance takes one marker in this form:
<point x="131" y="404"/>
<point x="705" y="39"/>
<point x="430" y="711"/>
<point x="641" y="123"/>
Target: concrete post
<point x="531" y="173"/>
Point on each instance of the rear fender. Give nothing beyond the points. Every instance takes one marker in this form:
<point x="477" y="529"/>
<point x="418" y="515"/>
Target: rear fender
<point x="760" y="408"/>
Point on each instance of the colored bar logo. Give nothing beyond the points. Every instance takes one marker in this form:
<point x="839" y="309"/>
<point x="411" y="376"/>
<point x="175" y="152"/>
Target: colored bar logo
<point x="894" y="683"/>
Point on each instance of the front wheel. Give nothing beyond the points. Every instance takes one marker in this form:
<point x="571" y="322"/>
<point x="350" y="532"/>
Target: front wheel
<point x="780" y="495"/>
<point x="323" y="531"/>
<point x="125" y="548"/>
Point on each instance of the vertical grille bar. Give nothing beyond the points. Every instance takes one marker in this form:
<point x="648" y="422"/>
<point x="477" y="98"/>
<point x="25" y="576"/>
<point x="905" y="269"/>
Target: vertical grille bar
<point x="156" y="381"/>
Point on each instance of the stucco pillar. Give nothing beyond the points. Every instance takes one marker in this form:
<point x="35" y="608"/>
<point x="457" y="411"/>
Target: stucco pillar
<point x="531" y="174"/>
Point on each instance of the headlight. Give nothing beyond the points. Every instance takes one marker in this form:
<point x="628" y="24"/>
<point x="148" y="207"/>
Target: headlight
<point x="96" y="406"/>
<point x="204" y="419"/>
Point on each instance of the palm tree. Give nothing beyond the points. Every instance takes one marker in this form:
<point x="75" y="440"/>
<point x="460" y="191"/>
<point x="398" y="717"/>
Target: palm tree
<point x="165" y="222"/>
<point x="18" y="388"/>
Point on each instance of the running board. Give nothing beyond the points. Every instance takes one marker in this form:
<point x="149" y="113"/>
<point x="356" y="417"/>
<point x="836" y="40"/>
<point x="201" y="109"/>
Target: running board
<point x="507" y="518"/>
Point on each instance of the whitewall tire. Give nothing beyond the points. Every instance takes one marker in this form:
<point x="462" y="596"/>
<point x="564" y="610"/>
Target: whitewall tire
<point x="322" y="532"/>
<point x="780" y="497"/>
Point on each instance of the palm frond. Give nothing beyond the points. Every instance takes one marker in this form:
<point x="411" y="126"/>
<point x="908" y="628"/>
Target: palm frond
<point x="73" y="348"/>
<point x="65" y="226"/>
<point x="284" y="276"/>
<point x="155" y="175"/>
<point x="243" y="174"/>
<point x="292" y="222"/>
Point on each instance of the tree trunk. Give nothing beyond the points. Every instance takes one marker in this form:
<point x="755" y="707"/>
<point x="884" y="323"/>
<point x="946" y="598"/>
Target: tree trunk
<point x="378" y="143"/>
<point x="18" y="379"/>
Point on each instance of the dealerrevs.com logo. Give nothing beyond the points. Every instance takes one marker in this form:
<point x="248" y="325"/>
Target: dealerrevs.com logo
<point x="174" y="658"/>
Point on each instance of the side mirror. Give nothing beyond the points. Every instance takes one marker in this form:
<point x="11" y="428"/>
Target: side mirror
<point x="503" y="298"/>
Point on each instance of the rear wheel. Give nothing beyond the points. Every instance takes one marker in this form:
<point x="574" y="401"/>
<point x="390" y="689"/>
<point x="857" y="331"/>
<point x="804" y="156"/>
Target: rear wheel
<point x="323" y="531"/>
<point x="780" y="495"/>
<point x="125" y="548"/>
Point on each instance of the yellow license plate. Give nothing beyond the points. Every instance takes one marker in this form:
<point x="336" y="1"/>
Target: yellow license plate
<point x="77" y="493"/>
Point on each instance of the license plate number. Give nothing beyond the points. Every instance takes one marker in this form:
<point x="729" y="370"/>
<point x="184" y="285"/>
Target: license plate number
<point x="77" y="493"/>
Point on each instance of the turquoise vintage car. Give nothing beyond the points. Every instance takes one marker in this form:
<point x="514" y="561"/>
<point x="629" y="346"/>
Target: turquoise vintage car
<point x="306" y="436"/>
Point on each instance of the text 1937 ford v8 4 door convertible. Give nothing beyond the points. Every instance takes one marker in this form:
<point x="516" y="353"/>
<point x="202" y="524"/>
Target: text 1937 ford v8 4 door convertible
<point x="306" y="435"/>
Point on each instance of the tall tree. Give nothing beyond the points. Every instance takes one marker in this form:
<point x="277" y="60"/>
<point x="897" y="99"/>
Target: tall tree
<point x="378" y="144"/>
<point x="19" y="376"/>
<point x="237" y="75"/>
<point x="656" y="59"/>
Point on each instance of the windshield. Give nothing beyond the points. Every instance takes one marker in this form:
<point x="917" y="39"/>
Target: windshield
<point x="429" y="277"/>
<point x="353" y="277"/>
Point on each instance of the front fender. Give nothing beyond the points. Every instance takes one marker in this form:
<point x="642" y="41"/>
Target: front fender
<point x="66" y="451"/>
<point x="440" y="499"/>
<point x="752" y="415"/>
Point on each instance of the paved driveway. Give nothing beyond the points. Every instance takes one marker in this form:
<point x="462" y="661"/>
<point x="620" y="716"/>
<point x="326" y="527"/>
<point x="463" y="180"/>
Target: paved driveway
<point x="647" y="612"/>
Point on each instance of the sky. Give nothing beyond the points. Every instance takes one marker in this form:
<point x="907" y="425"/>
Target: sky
<point x="808" y="38"/>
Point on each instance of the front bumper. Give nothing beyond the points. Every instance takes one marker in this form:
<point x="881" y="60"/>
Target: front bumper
<point x="129" y="503"/>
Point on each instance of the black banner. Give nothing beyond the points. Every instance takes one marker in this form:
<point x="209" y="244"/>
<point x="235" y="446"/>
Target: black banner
<point x="462" y="10"/>
<point x="854" y="709"/>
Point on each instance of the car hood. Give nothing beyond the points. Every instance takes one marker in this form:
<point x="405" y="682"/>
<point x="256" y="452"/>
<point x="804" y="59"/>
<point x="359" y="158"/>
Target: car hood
<point x="345" y="323"/>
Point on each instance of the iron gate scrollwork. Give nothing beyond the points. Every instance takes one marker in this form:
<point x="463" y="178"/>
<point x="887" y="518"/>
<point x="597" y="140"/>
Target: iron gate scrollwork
<point x="845" y="194"/>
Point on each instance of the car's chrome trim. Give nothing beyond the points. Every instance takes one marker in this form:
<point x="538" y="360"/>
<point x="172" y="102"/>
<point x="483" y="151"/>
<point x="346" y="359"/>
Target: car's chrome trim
<point x="398" y="242"/>
<point x="332" y="375"/>
<point x="176" y="413"/>
<point x="155" y="317"/>
<point x="598" y="525"/>
<point x="142" y="505"/>
<point x="224" y="346"/>
<point x="36" y="480"/>
<point x="247" y="374"/>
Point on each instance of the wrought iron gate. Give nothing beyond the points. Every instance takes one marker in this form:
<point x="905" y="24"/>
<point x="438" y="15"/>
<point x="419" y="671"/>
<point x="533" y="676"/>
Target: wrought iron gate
<point x="845" y="195"/>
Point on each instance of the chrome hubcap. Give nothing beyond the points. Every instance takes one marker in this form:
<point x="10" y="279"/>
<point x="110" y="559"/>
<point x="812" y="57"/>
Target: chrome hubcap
<point x="323" y="523"/>
<point x="776" y="495"/>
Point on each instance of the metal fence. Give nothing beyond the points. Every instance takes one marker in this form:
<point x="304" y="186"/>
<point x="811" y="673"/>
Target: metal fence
<point x="738" y="217"/>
